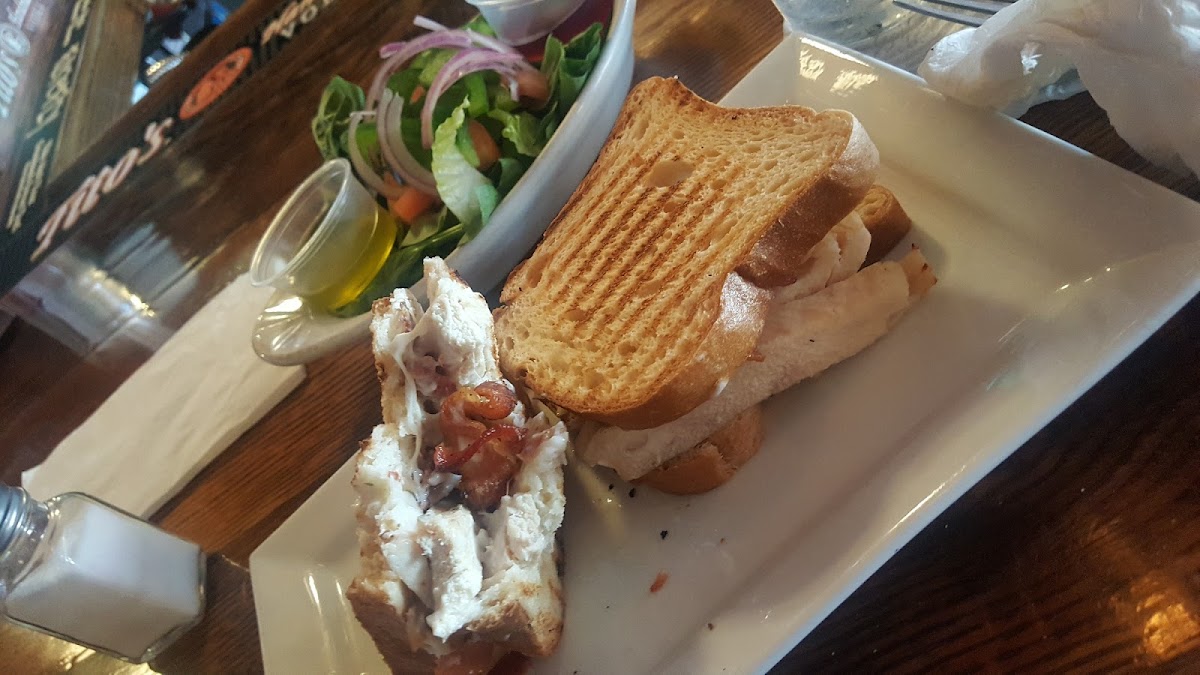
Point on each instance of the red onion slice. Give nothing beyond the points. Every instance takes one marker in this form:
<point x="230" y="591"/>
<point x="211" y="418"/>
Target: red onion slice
<point x="490" y="42"/>
<point x="460" y="65"/>
<point x="400" y="53"/>
<point x="390" y="49"/>
<point x="391" y="141"/>
<point x="478" y="38"/>
<point x="362" y="167"/>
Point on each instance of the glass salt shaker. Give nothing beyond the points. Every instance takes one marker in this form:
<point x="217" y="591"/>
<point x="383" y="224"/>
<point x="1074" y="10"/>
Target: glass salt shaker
<point x="81" y="570"/>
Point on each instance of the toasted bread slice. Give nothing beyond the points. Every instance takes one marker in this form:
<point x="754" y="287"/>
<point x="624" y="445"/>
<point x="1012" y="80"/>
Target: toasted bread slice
<point x="885" y="219"/>
<point x="649" y="286"/>
<point x="713" y="461"/>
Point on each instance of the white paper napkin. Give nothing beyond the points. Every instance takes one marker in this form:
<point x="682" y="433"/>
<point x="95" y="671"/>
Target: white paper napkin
<point x="200" y="391"/>
<point x="1140" y="59"/>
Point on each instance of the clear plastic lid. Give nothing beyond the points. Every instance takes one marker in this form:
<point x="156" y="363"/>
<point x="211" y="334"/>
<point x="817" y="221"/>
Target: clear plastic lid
<point x="296" y="232"/>
<point x="519" y="22"/>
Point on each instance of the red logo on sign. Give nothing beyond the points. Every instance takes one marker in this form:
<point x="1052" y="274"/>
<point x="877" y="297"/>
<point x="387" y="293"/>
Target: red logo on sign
<point x="215" y="82"/>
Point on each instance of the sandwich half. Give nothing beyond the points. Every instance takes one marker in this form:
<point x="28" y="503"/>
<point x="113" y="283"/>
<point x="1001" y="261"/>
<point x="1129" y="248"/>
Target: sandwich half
<point x="711" y="258"/>
<point x="713" y="461"/>
<point x="653" y="282"/>
<point x="460" y="494"/>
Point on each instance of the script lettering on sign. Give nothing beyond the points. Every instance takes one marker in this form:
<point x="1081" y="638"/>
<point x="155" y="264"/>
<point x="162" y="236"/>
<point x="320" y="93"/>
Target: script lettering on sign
<point x="79" y="17"/>
<point x="296" y="13"/>
<point x="108" y="178"/>
<point x="58" y="90"/>
<point x="30" y="183"/>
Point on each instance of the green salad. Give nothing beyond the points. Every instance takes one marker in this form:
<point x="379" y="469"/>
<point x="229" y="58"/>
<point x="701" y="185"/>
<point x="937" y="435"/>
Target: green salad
<point x="449" y="124"/>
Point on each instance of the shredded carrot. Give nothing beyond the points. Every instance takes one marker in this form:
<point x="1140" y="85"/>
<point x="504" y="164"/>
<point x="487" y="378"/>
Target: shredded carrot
<point x="417" y="94"/>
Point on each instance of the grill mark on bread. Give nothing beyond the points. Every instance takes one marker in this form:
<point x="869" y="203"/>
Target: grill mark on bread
<point x="622" y="234"/>
<point x="628" y="278"/>
<point x="616" y="179"/>
<point x="658" y="315"/>
<point x="615" y="230"/>
<point x="678" y="231"/>
<point x="697" y="276"/>
<point x="520" y="276"/>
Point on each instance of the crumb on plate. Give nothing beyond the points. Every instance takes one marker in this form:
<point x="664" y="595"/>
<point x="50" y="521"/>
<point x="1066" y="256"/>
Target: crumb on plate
<point x="659" y="582"/>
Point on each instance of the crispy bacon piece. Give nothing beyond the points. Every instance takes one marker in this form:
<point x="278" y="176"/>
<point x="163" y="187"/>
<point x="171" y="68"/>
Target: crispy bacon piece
<point x="465" y="411"/>
<point x="486" y="466"/>
<point x="486" y="475"/>
<point x="485" y="454"/>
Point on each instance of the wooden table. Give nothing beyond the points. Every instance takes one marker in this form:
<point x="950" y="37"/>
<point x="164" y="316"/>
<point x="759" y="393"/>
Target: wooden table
<point x="1080" y="552"/>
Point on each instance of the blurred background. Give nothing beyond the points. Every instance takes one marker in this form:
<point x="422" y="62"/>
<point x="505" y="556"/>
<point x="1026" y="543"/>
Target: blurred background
<point x="172" y="29"/>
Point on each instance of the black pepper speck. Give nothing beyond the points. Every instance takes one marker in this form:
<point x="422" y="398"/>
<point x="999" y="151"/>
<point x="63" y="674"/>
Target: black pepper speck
<point x="632" y="492"/>
<point x="662" y="535"/>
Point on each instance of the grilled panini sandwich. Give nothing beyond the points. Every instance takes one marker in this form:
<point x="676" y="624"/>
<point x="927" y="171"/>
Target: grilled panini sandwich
<point x="697" y="242"/>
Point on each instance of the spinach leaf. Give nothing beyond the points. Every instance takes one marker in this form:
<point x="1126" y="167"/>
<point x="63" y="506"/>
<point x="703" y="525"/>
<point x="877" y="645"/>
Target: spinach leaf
<point x="332" y="121"/>
<point x="404" y="83"/>
<point x="506" y="173"/>
<point x="552" y="57"/>
<point x="522" y="129"/>
<point x="579" y="57"/>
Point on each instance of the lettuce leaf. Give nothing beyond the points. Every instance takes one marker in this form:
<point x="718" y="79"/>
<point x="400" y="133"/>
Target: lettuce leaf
<point x="457" y="180"/>
<point x="433" y="63"/>
<point x="480" y="25"/>
<point x="423" y="228"/>
<point x="579" y="57"/>
<point x="488" y="197"/>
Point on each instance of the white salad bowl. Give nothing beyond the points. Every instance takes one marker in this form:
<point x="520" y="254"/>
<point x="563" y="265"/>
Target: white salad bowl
<point x="289" y="332"/>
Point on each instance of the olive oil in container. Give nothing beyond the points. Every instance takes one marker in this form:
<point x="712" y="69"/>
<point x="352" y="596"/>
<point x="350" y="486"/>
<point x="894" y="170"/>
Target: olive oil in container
<point x="328" y="241"/>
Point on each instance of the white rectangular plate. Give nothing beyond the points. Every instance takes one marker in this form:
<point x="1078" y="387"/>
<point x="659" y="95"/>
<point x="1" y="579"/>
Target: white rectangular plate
<point x="1054" y="265"/>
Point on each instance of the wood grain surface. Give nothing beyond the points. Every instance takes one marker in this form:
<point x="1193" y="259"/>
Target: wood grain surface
<point x="103" y="91"/>
<point x="1079" y="553"/>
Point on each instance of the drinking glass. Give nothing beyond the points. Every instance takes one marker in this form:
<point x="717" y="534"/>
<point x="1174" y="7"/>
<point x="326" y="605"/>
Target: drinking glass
<point x="847" y="22"/>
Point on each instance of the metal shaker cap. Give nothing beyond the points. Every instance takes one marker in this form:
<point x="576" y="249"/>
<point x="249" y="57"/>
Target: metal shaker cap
<point x="13" y="501"/>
